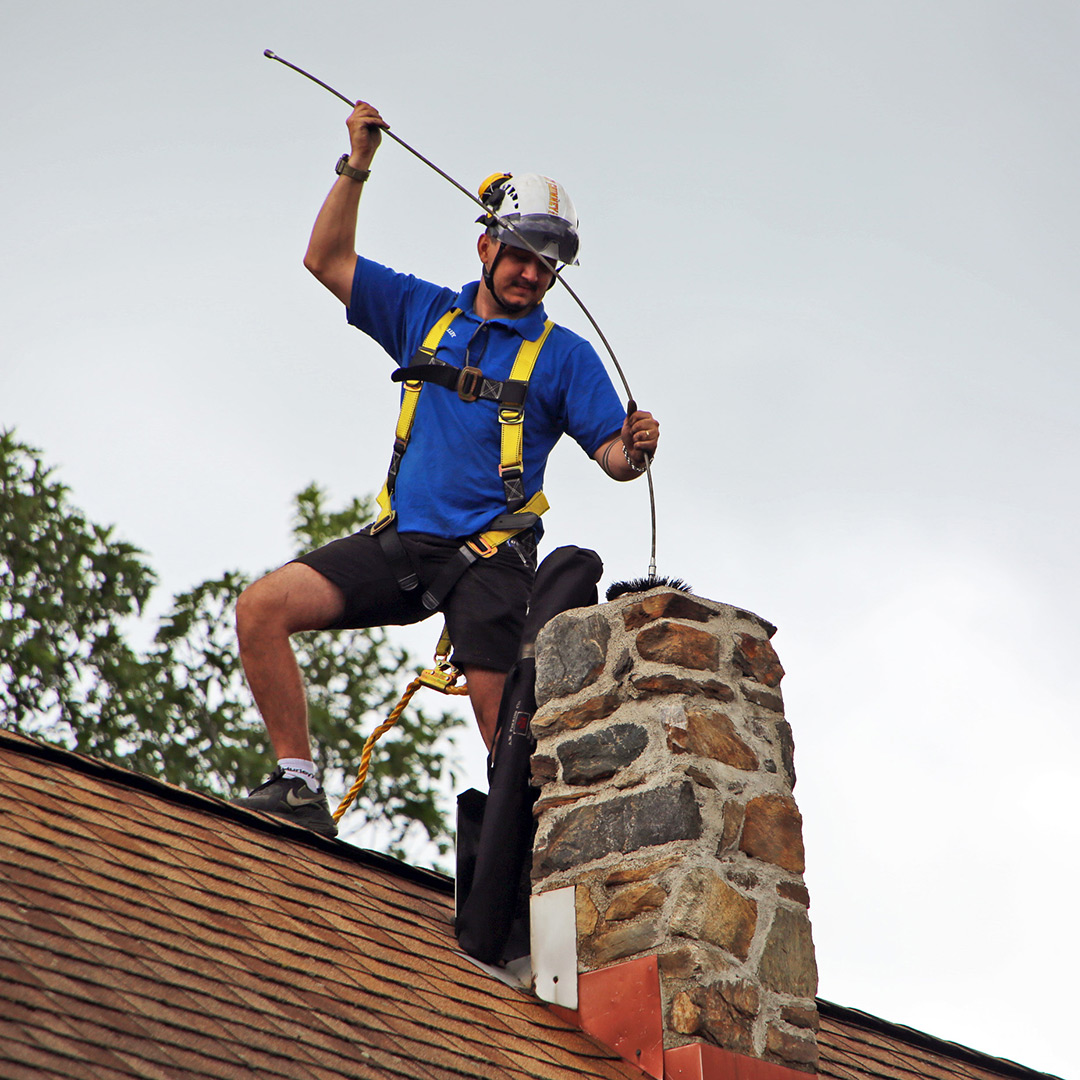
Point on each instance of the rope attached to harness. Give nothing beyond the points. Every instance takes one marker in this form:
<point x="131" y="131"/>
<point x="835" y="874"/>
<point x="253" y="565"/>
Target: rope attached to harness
<point x="442" y="677"/>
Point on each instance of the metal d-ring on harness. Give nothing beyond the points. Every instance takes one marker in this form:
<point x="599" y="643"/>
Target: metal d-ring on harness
<point x="471" y="385"/>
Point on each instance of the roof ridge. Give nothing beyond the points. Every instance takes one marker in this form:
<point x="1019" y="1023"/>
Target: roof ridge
<point x="913" y="1036"/>
<point x="173" y="793"/>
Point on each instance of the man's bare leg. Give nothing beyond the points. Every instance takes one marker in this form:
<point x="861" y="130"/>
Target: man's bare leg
<point x="485" y="693"/>
<point x="286" y="601"/>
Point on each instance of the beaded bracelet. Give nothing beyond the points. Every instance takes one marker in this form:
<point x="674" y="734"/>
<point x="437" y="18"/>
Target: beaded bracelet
<point x="638" y="469"/>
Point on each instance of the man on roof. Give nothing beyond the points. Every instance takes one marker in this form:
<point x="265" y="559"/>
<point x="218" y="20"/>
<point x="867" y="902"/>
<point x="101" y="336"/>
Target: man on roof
<point x="459" y="513"/>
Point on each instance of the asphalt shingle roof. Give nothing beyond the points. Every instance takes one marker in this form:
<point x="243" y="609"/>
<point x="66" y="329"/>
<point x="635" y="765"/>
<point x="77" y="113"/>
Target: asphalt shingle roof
<point x="150" y="932"/>
<point x="855" y="1045"/>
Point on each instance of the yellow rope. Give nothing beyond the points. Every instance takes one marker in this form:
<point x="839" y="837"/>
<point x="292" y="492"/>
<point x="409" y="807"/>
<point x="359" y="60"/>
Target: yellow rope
<point x="435" y="679"/>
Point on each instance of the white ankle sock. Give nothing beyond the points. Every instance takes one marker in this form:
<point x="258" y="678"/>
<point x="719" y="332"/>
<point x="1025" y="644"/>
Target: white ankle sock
<point x="298" y="767"/>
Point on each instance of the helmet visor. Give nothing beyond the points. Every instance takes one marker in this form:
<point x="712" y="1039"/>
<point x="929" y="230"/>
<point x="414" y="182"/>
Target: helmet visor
<point x="553" y="237"/>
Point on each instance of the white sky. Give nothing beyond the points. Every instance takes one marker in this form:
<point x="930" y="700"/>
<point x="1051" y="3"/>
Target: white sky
<point x="835" y="246"/>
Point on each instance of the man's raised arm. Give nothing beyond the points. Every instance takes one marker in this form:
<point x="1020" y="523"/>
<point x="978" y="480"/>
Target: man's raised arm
<point x="331" y="253"/>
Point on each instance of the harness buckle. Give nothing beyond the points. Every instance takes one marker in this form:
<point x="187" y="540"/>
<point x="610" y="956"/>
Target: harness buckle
<point x="469" y="383"/>
<point x="481" y="546"/>
<point x="378" y="526"/>
<point x="511" y="414"/>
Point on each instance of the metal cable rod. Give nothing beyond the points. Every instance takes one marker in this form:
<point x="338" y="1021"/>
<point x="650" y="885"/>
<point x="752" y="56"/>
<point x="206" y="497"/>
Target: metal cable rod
<point x="270" y="54"/>
<point x="631" y="405"/>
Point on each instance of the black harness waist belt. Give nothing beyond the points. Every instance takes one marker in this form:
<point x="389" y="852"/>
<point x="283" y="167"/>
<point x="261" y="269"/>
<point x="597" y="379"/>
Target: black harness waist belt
<point x="519" y="522"/>
<point x="470" y="383"/>
<point x="474" y="548"/>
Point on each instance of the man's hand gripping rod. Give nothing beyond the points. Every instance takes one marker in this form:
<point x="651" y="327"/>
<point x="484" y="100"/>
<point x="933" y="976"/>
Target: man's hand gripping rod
<point x="631" y="405"/>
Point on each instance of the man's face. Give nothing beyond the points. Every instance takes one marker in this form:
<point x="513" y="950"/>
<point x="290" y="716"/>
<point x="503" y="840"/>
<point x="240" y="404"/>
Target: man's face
<point x="521" y="279"/>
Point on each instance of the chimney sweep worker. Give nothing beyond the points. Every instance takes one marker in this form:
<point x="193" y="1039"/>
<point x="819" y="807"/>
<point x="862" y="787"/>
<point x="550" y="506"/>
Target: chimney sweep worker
<point x="459" y="513"/>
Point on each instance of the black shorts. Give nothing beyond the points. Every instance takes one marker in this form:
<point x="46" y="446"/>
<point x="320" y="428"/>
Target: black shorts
<point x="485" y="610"/>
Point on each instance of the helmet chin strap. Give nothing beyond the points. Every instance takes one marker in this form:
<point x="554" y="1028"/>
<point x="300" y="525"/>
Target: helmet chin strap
<point x="489" y="276"/>
<point x="489" y="280"/>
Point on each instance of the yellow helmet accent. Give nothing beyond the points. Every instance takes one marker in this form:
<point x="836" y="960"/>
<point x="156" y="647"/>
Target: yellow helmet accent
<point x="491" y="180"/>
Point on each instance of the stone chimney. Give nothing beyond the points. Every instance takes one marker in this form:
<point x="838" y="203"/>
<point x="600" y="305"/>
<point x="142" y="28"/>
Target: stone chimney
<point x="669" y="847"/>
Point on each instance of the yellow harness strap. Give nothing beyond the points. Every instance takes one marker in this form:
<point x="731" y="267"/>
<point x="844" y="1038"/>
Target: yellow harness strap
<point x="512" y="425"/>
<point x="410" y="400"/>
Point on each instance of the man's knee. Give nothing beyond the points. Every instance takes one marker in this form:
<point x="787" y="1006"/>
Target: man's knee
<point x="251" y="607"/>
<point x="286" y="601"/>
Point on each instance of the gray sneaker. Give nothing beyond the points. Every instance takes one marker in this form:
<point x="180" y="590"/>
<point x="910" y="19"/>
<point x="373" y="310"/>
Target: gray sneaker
<point x="292" y="799"/>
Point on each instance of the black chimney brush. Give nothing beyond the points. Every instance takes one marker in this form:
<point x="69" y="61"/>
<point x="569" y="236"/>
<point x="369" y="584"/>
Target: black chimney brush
<point x="636" y="585"/>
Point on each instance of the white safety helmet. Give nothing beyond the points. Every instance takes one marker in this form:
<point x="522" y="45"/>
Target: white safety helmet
<point x="539" y="210"/>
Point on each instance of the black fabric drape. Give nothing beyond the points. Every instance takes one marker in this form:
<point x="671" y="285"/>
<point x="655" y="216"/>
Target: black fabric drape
<point x="495" y="833"/>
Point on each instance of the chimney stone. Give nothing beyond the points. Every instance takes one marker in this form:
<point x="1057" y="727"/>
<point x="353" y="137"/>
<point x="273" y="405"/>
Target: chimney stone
<point x="666" y="773"/>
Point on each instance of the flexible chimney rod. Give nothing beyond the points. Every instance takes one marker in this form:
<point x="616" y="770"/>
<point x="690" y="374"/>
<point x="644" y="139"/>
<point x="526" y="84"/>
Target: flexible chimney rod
<point x="631" y="404"/>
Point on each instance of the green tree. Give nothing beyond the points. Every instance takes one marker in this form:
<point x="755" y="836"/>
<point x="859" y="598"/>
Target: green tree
<point x="181" y="710"/>
<point x="67" y="586"/>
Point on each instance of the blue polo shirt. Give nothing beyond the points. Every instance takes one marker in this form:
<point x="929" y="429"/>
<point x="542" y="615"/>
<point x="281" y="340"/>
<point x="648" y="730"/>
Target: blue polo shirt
<point x="449" y="482"/>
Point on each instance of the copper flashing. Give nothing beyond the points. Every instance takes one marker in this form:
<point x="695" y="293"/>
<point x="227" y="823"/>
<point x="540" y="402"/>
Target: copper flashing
<point x="702" y="1061"/>
<point x="620" y="1005"/>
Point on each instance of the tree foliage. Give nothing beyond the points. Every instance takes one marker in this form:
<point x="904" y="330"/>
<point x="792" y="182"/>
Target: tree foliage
<point x="181" y="710"/>
<point x="66" y="588"/>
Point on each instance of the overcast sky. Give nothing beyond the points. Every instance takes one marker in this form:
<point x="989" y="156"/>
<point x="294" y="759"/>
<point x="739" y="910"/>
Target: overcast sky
<point x="835" y="246"/>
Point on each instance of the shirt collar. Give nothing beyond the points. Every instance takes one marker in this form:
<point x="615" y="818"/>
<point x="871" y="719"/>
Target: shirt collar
<point x="529" y="327"/>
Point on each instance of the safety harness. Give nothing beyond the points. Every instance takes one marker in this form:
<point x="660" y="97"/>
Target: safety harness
<point x="471" y="384"/>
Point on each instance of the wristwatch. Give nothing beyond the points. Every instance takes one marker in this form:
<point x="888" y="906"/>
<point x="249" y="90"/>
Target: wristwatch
<point x="343" y="168"/>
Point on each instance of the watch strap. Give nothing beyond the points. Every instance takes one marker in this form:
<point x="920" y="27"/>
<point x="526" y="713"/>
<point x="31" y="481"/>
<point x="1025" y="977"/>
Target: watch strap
<point x="343" y="168"/>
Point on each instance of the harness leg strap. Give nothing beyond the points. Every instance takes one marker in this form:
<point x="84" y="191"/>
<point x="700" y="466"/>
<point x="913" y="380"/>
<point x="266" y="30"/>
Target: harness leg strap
<point x="448" y="577"/>
<point x="397" y="557"/>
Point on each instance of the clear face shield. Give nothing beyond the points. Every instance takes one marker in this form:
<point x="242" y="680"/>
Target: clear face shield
<point x="554" y="238"/>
